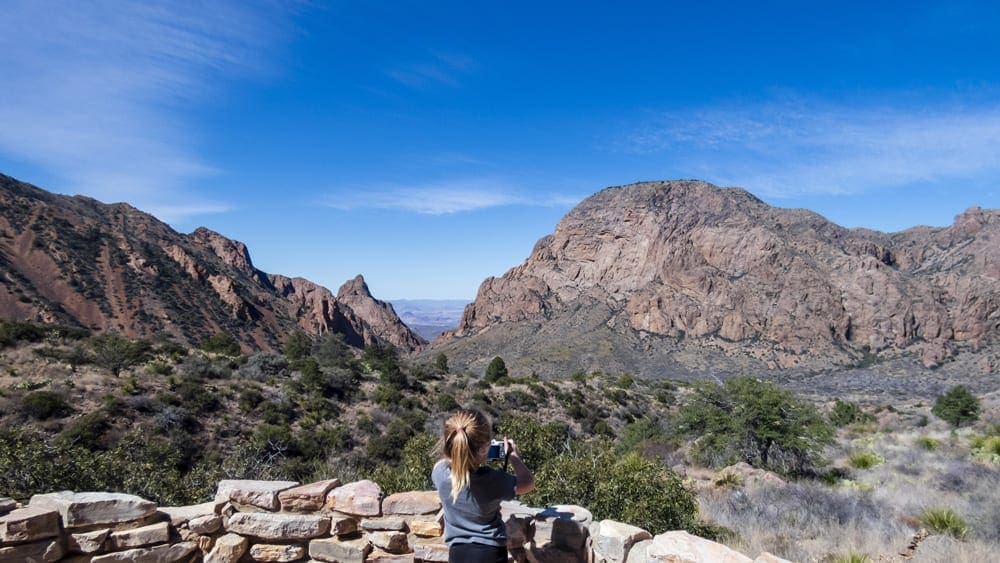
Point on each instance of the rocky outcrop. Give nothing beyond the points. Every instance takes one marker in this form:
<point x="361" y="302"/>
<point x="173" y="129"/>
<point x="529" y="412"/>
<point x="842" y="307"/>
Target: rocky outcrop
<point x="379" y="316"/>
<point x="355" y="522"/>
<point x="74" y="260"/>
<point x="674" y="270"/>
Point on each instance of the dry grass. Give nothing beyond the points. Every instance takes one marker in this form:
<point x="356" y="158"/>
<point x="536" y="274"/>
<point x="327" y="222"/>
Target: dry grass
<point x="875" y="511"/>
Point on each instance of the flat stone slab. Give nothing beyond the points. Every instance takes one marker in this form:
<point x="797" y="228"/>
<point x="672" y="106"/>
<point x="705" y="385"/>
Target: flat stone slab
<point x="207" y="524"/>
<point x="157" y="554"/>
<point x="413" y="502"/>
<point x="139" y="537"/>
<point x="90" y="509"/>
<point x="262" y="494"/>
<point x="426" y="528"/>
<point x="360" y="498"/>
<point x="28" y="524"/>
<point x="613" y="540"/>
<point x="306" y="498"/>
<point x="435" y="551"/>
<point x="228" y="549"/>
<point x="181" y="514"/>
<point x="38" y="552"/>
<point x="378" y="556"/>
<point x="377" y="524"/>
<point x="87" y="542"/>
<point x="279" y="526"/>
<point x="340" y="551"/>
<point x="277" y="553"/>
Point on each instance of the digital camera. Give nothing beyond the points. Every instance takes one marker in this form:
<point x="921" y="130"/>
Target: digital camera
<point x="496" y="450"/>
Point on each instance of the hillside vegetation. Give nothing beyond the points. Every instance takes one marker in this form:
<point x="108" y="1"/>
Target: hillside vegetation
<point x="102" y="412"/>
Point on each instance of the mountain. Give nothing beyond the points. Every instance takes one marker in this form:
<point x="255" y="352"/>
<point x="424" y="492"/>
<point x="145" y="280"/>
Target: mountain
<point x="683" y="277"/>
<point x="78" y="261"/>
<point x="430" y="317"/>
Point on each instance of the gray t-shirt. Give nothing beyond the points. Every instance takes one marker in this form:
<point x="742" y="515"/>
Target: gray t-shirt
<point x="475" y="516"/>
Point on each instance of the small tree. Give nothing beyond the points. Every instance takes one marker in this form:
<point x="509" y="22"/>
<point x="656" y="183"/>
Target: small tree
<point x="958" y="406"/>
<point x="114" y="352"/>
<point x="441" y="363"/>
<point x="221" y="343"/>
<point x="297" y="346"/>
<point x="496" y="371"/>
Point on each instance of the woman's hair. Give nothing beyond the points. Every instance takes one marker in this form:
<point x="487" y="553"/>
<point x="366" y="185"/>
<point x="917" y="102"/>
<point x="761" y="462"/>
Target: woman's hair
<point x="465" y="433"/>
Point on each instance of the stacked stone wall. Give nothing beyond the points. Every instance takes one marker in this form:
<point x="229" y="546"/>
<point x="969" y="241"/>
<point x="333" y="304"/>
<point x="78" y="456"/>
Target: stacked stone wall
<point x="326" y="521"/>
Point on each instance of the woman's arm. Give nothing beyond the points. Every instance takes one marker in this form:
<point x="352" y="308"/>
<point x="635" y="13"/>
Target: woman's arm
<point x="525" y="480"/>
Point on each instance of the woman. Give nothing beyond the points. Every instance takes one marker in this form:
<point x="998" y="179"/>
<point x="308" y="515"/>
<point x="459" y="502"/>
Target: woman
<point x="470" y="494"/>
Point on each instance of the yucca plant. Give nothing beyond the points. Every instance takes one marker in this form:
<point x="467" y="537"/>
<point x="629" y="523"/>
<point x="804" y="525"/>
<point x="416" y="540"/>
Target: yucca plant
<point x="850" y="557"/>
<point x="865" y="460"/>
<point x="945" y="521"/>
<point x="728" y="479"/>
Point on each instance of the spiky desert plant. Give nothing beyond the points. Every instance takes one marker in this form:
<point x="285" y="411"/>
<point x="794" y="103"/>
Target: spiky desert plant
<point x="945" y="521"/>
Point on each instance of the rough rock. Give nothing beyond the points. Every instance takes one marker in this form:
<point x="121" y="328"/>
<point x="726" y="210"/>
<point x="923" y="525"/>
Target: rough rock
<point x="87" y="542"/>
<point x="426" y="528"/>
<point x="389" y="523"/>
<point x="378" y="556"/>
<point x="766" y="557"/>
<point x="37" y="552"/>
<point x="181" y="514"/>
<point x="340" y="551"/>
<point x="280" y="526"/>
<point x="139" y="537"/>
<point x="379" y="315"/>
<point x="341" y="525"/>
<point x="277" y="553"/>
<point x="431" y="550"/>
<point x="413" y="502"/>
<point x="559" y="530"/>
<point x="167" y="553"/>
<point x="6" y="505"/>
<point x="751" y="476"/>
<point x="360" y="498"/>
<point x="228" y="549"/>
<point x="90" y="509"/>
<point x="306" y="498"/>
<point x="682" y="547"/>
<point x="207" y="524"/>
<point x="28" y="524"/>
<point x="391" y="541"/>
<point x="611" y="541"/>
<point x="262" y="494"/>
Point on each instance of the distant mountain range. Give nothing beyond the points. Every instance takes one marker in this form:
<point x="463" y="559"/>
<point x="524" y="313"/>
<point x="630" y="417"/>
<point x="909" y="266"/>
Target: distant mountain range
<point x="430" y="317"/>
<point x="77" y="261"/>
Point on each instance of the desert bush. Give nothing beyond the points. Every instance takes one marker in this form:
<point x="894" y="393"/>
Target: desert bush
<point x="441" y="363"/>
<point x="844" y="413"/>
<point x="297" y="346"/>
<point x="750" y="420"/>
<point x="115" y="353"/>
<point x="849" y="557"/>
<point x="928" y="443"/>
<point x="958" y="406"/>
<point x="221" y="343"/>
<point x="263" y="366"/>
<point x="496" y="372"/>
<point x="42" y="405"/>
<point x="538" y="442"/>
<point x="413" y="473"/>
<point x="728" y="479"/>
<point x="865" y="460"/>
<point x="986" y="448"/>
<point x="945" y="521"/>
<point x="446" y="403"/>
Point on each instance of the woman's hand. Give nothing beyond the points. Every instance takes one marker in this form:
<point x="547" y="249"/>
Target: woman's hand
<point x="525" y="480"/>
<point x="510" y="448"/>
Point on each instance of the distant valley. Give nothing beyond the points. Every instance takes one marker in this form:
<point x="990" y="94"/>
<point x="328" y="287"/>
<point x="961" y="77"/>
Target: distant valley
<point x="430" y="317"/>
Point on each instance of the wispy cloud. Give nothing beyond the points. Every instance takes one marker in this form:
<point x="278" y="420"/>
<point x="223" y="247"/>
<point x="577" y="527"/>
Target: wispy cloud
<point x="436" y="68"/>
<point x="444" y="198"/>
<point x="96" y="91"/>
<point x="798" y="148"/>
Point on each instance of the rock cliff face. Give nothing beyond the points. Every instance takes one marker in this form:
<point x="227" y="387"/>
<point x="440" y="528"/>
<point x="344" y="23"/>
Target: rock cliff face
<point x="78" y="261"/>
<point x="674" y="270"/>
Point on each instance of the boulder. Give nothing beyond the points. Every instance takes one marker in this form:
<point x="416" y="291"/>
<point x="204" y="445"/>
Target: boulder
<point x="393" y="542"/>
<point x="90" y="509"/>
<point x="682" y="547"/>
<point x="28" y="524"/>
<point x="426" y="528"/>
<point x="306" y="498"/>
<point x="766" y="557"/>
<point x="611" y="541"/>
<point x="260" y="494"/>
<point x="341" y="525"/>
<point x="413" y="502"/>
<point x="559" y="530"/>
<point x="361" y="498"/>
<point x="279" y="526"/>
<point x="207" y="524"/>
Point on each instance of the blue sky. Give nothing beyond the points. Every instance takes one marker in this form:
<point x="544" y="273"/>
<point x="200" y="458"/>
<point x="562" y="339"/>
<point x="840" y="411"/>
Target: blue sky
<point x="428" y="145"/>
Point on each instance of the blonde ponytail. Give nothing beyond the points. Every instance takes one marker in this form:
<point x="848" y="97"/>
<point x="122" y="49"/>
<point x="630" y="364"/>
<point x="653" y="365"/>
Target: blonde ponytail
<point x="465" y="433"/>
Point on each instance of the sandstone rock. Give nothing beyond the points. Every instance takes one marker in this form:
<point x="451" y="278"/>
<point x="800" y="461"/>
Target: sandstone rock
<point x="88" y="509"/>
<point x="207" y="524"/>
<point x="379" y="315"/>
<point x="262" y="494"/>
<point x="361" y="498"/>
<point x="340" y="551"/>
<point x="28" y="524"/>
<point x="379" y="524"/>
<point x="228" y="549"/>
<point x="378" y="556"/>
<point x="277" y="553"/>
<point x="279" y="526"/>
<point x="638" y="553"/>
<point x="766" y="557"/>
<point x="430" y="550"/>
<point x="306" y="498"/>
<point x="560" y="531"/>
<point x="414" y="502"/>
<point x="167" y="553"/>
<point x="38" y="552"/>
<point x="682" y="547"/>
<point x="343" y="525"/>
<point x="612" y="540"/>
<point x="182" y="514"/>
<point x="393" y="542"/>
<point x="6" y="505"/>
<point x="87" y="542"/>
<point x="426" y="528"/>
<point x="139" y="537"/>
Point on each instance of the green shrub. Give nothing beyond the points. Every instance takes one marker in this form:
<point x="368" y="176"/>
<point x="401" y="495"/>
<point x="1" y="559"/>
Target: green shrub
<point x="928" y="443"/>
<point x="441" y="363"/>
<point x="413" y="473"/>
<point x="844" y="413"/>
<point x="958" y="406"/>
<point x="865" y="460"/>
<point x="986" y="449"/>
<point x="42" y="405"/>
<point x="496" y="372"/>
<point x="850" y="557"/>
<point x="297" y="346"/>
<point x="757" y="422"/>
<point x="728" y="479"/>
<point x="115" y="353"/>
<point x="221" y="343"/>
<point x="945" y="521"/>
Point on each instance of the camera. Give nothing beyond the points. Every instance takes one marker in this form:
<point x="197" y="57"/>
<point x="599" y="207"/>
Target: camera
<point x="496" y="450"/>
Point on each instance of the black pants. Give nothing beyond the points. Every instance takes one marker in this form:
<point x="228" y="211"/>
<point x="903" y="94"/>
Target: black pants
<point x="477" y="553"/>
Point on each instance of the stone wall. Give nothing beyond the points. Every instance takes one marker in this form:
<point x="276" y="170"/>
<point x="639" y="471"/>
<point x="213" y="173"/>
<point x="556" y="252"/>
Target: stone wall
<point x="283" y="521"/>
